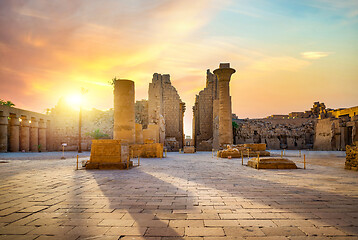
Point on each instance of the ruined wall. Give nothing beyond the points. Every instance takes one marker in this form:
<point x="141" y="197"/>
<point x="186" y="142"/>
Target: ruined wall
<point x="319" y="128"/>
<point x="324" y="134"/>
<point x="141" y="113"/>
<point x="336" y="133"/>
<point x="166" y="110"/>
<point x="353" y="111"/>
<point x="276" y="133"/>
<point x="203" y="114"/>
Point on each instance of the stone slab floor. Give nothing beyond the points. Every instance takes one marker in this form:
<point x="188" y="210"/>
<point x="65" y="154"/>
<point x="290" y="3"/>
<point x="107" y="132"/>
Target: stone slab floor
<point x="183" y="196"/>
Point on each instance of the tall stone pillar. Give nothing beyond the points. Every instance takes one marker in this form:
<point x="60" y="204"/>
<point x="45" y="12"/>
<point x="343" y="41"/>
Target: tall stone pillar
<point x="42" y="135"/>
<point x="25" y="135"/>
<point x="224" y="73"/>
<point x="14" y="134"/>
<point x="49" y="144"/>
<point x="124" y="114"/>
<point x="3" y="133"/>
<point x="34" y="135"/>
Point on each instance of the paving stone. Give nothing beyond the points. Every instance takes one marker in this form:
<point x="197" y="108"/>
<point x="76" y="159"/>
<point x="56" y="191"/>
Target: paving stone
<point x="282" y="231"/>
<point x="257" y="223"/>
<point x="88" y="231"/>
<point x="243" y="231"/>
<point x="204" y="232"/>
<point x="7" y="230"/>
<point x="151" y="223"/>
<point x="165" y="231"/>
<point x="116" y="223"/>
<point x="165" y="200"/>
<point x="18" y="237"/>
<point x="124" y="231"/>
<point x="51" y="230"/>
<point x="220" y="223"/>
<point x="322" y="231"/>
<point x="186" y="223"/>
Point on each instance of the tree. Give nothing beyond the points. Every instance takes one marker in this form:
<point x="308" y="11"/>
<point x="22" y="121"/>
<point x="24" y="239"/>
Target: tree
<point x="112" y="81"/>
<point x="235" y="127"/>
<point x="6" y="103"/>
<point x="97" y="134"/>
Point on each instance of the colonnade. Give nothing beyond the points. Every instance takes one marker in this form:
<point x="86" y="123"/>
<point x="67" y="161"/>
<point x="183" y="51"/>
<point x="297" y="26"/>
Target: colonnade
<point x="23" y="132"/>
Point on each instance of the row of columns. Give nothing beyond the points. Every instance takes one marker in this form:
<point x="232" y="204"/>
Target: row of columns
<point x="22" y="134"/>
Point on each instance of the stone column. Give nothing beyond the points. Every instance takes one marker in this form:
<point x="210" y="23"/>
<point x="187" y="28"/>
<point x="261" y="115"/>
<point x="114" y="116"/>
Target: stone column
<point x="14" y="134"/>
<point x="42" y="135"/>
<point x="224" y="73"/>
<point x="3" y="133"/>
<point x="34" y="135"/>
<point x="25" y="135"/>
<point x="49" y="144"/>
<point x="124" y="119"/>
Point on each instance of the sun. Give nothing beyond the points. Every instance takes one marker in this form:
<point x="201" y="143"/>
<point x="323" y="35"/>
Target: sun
<point x="74" y="101"/>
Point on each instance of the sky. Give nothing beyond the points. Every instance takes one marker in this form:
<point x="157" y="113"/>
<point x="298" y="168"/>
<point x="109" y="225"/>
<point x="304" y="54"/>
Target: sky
<point x="287" y="54"/>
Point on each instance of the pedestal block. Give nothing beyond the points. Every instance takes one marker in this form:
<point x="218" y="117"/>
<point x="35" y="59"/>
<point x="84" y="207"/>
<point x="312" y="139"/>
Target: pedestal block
<point x="3" y="133"/>
<point x="14" y="134"/>
<point x="34" y="136"/>
<point x="108" y="154"/>
<point x="25" y="135"/>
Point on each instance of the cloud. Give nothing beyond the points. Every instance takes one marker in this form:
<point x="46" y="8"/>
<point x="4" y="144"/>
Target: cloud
<point x="51" y="47"/>
<point x="315" y="55"/>
<point x="282" y="63"/>
<point x="350" y="7"/>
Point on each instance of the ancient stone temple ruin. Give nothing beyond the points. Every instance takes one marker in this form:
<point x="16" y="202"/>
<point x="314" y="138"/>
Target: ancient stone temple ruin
<point x="163" y="112"/>
<point x="212" y="116"/>
<point x="22" y="130"/>
<point x="337" y="129"/>
<point x="128" y="136"/>
<point x="318" y="128"/>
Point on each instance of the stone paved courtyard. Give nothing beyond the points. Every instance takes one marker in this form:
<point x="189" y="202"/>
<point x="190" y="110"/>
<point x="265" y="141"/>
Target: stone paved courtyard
<point x="184" y="196"/>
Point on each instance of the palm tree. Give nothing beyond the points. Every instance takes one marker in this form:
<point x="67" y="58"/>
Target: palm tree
<point x="6" y="103"/>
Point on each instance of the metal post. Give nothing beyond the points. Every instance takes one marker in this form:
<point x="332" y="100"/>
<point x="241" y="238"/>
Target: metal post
<point x="248" y="154"/>
<point x="299" y="153"/>
<point x="284" y="152"/>
<point x="258" y="160"/>
<point x="83" y="91"/>
<point x="242" y="158"/>
<point x="281" y="154"/>
<point x="179" y="150"/>
<point x="77" y="163"/>
<point x="138" y="160"/>
<point x="304" y="161"/>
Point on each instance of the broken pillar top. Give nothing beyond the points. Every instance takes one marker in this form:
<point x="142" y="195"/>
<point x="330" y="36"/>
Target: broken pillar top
<point x="224" y="72"/>
<point x="224" y="65"/>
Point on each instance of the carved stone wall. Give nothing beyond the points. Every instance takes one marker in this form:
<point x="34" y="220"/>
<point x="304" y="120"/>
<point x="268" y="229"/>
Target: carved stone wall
<point x="276" y="133"/>
<point x="165" y="109"/>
